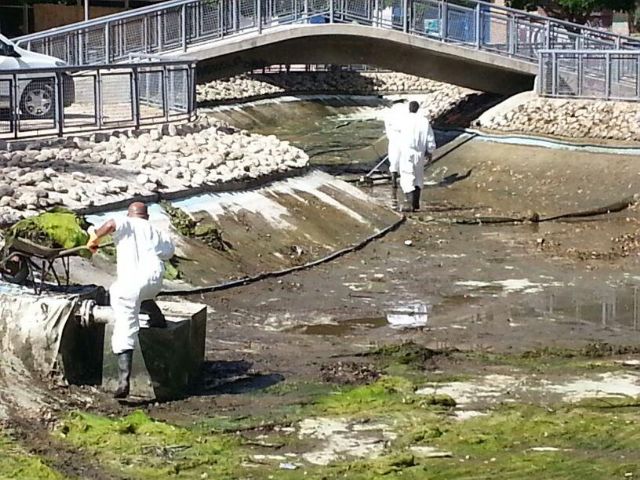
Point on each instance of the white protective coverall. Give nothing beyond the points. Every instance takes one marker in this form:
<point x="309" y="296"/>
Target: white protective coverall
<point x="141" y="249"/>
<point x="392" y="124"/>
<point x="416" y="139"/>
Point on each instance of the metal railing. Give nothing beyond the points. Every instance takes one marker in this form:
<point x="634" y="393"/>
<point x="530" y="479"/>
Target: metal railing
<point x="595" y="74"/>
<point x="178" y="24"/>
<point x="70" y="100"/>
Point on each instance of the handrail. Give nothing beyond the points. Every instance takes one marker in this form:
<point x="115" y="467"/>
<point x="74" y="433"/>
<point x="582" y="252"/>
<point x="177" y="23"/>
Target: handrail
<point x="177" y="3"/>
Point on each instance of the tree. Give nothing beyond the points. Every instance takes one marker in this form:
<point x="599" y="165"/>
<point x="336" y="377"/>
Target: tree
<point x="576" y="11"/>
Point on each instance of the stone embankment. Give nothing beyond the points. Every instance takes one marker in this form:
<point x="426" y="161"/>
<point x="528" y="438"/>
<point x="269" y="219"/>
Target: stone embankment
<point x="79" y="173"/>
<point x="571" y="119"/>
<point x="245" y="87"/>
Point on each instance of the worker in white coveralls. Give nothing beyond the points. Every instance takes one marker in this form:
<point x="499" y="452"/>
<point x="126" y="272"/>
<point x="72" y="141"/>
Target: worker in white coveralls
<point x="392" y="123"/>
<point x="140" y="251"/>
<point x="417" y="142"/>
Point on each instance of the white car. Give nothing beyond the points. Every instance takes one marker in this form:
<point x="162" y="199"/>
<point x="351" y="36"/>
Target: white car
<point x="36" y="93"/>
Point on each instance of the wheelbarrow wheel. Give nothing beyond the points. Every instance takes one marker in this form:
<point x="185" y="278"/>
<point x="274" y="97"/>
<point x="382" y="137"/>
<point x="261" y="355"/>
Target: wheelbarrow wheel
<point x="15" y="269"/>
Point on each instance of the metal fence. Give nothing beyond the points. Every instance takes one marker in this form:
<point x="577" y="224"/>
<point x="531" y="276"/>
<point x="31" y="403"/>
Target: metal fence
<point x="177" y="24"/>
<point x="595" y="74"/>
<point x="68" y="100"/>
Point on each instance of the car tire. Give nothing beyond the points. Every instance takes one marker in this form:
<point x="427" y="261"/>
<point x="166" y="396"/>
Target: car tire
<point x="38" y="100"/>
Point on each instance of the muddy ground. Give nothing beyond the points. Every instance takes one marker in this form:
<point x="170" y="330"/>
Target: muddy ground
<point x="526" y="364"/>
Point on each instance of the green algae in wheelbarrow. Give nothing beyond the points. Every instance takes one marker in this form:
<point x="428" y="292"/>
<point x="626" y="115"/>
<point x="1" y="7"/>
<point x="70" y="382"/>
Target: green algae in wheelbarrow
<point x="57" y="228"/>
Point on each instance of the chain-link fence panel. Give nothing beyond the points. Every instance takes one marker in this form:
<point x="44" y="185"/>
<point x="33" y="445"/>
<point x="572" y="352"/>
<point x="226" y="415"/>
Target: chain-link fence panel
<point x="349" y="10"/>
<point x="151" y="90"/>
<point x="248" y="14"/>
<point x="529" y="38"/>
<point x="624" y="75"/>
<point x="495" y="30"/>
<point x="116" y="98"/>
<point x="425" y="18"/>
<point x="568" y="77"/>
<point x="204" y="20"/>
<point x="461" y="24"/>
<point x="80" y="101"/>
<point x="171" y="22"/>
<point x="546" y="75"/>
<point x="37" y="102"/>
<point x="178" y="91"/>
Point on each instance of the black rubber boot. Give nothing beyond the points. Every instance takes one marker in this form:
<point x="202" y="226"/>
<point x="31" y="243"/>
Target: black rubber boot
<point x="156" y="317"/>
<point x="407" y="204"/>
<point x="415" y="200"/>
<point x="125" y="359"/>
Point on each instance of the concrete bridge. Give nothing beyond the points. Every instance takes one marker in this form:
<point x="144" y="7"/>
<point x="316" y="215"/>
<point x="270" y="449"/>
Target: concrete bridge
<point x="476" y="45"/>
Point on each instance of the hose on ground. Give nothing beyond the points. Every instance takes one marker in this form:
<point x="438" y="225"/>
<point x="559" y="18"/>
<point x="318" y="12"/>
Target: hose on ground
<point x="279" y="273"/>
<point x="536" y="218"/>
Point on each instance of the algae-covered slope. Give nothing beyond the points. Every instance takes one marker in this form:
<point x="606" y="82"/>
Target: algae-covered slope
<point x="229" y="235"/>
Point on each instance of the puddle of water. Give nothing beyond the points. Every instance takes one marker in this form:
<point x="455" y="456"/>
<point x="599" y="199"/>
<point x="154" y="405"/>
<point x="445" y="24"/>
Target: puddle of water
<point x="340" y="328"/>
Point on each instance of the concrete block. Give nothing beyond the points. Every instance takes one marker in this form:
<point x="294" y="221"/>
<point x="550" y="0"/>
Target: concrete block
<point x="166" y="360"/>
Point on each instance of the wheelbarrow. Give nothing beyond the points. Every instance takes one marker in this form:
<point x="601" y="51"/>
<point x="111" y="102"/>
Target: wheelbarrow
<point x="24" y="262"/>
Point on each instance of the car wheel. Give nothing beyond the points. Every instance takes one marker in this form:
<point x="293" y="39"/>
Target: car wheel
<point x="38" y="100"/>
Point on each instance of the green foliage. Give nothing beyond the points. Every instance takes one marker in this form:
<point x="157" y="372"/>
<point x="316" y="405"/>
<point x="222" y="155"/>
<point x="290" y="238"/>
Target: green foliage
<point x="143" y="448"/>
<point x="16" y="463"/>
<point x="57" y="228"/>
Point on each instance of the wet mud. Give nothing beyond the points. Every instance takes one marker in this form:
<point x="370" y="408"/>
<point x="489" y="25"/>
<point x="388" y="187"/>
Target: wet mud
<point x="521" y="357"/>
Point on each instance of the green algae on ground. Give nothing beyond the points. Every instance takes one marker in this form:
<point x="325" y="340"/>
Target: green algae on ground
<point x="16" y="463"/>
<point x="142" y="448"/>
<point x="57" y="228"/>
<point x="203" y="230"/>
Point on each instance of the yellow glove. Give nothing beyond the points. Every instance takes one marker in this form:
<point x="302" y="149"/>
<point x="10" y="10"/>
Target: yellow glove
<point x="94" y="242"/>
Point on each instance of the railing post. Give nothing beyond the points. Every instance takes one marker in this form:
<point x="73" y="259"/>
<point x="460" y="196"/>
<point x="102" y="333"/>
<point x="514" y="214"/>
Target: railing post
<point x="580" y="75"/>
<point x="444" y="12"/>
<point x="145" y="32"/>
<point x="107" y="49"/>
<point x="99" y="105"/>
<point x="236" y="20"/>
<point x="512" y="33"/>
<point x="331" y="12"/>
<point x="165" y="96"/>
<point x="478" y="22"/>
<point x="405" y="16"/>
<point x="80" y="48"/>
<point x="136" y="97"/>
<point x="183" y="22"/>
<point x="306" y="9"/>
<point x="539" y="81"/>
<point x="554" y="73"/>
<point x="15" y="106"/>
<point x="376" y="13"/>
<point x="607" y="75"/>
<point x="259" y="15"/>
<point x="159" y="31"/>
<point x="547" y="35"/>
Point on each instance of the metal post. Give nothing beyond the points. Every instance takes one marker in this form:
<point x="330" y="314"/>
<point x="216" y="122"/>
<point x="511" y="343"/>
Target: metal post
<point x="86" y="10"/>
<point x="331" y="11"/>
<point x="444" y="11"/>
<point x="259" y="15"/>
<point x="607" y="76"/>
<point x="165" y="92"/>
<point x="136" y="97"/>
<point x="554" y="73"/>
<point x="236" y="22"/>
<point x="145" y="32"/>
<point x="547" y="35"/>
<point x="107" y="49"/>
<point x="80" y="47"/>
<point x="580" y="75"/>
<point x="637" y="76"/>
<point x="59" y="104"/>
<point x="405" y="16"/>
<point x="376" y="12"/>
<point x="512" y="33"/>
<point x="183" y="22"/>
<point x="478" y="26"/>
<point x="99" y="105"/>
<point x="540" y="79"/>
<point x="15" y="106"/>
<point x="159" y="31"/>
<point x="306" y="9"/>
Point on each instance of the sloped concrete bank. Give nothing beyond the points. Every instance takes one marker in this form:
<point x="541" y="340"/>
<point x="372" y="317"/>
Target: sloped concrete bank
<point x="605" y="122"/>
<point x="283" y="224"/>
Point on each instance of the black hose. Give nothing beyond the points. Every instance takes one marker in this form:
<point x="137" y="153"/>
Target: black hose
<point x="535" y="218"/>
<point x="278" y="273"/>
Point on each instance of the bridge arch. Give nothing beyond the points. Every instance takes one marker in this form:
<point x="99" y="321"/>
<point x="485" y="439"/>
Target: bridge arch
<point x="343" y="44"/>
